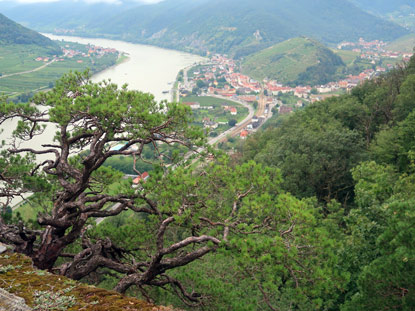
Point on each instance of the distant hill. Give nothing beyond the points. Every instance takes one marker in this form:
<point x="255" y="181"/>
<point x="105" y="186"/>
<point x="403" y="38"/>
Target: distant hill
<point x="401" y="12"/>
<point x="241" y="27"/>
<point x="403" y="44"/>
<point x="12" y="33"/>
<point x="237" y="27"/>
<point x="295" y="61"/>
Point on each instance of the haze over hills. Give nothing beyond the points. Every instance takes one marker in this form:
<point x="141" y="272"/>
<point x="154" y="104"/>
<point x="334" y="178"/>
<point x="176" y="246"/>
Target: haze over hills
<point x="45" y="17"/>
<point x="401" y="12"/>
<point x="404" y="44"/>
<point x="383" y="6"/>
<point x="225" y="26"/>
<point x="12" y="33"/>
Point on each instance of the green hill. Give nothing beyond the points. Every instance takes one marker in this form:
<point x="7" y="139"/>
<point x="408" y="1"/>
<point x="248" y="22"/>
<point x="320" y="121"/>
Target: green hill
<point x="295" y="61"/>
<point x="12" y="33"/>
<point x="403" y="44"/>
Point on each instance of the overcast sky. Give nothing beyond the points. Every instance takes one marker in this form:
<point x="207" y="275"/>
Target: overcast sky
<point x="89" y="1"/>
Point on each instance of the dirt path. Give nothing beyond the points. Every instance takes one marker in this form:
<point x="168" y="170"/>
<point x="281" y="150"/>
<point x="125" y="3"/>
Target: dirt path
<point x="28" y="71"/>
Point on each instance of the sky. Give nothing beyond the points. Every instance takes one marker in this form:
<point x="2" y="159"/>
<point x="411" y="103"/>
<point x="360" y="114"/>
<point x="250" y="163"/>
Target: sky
<point x="88" y="1"/>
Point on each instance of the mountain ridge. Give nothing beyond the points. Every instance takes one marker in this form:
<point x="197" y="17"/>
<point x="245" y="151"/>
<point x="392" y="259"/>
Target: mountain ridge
<point x="224" y="26"/>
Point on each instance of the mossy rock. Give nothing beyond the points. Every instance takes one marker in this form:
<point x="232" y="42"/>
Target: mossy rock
<point x="20" y="278"/>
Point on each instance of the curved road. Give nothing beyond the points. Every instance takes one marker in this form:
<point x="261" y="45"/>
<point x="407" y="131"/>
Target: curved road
<point x="238" y="127"/>
<point x="28" y="71"/>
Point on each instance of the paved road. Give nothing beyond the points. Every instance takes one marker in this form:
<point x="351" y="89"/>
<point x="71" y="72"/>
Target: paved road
<point x="238" y="127"/>
<point x="28" y="71"/>
<point x="243" y="124"/>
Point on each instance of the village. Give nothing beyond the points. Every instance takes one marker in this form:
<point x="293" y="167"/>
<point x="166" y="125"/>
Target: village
<point x="221" y="77"/>
<point x="71" y="51"/>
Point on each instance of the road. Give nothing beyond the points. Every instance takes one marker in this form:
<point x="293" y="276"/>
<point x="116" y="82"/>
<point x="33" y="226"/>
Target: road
<point x="243" y="124"/>
<point x="28" y="71"/>
<point x="238" y="127"/>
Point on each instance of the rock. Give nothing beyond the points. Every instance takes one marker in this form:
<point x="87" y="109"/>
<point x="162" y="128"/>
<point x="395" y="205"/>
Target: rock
<point x="3" y="248"/>
<point x="10" y="302"/>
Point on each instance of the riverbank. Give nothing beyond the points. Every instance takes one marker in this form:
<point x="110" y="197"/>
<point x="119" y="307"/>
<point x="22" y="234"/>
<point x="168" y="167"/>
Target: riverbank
<point x="149" y="68"/>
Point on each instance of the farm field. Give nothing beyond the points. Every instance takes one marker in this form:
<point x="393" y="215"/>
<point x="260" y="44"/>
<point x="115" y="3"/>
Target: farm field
<point x="17" y="58"/>
<point x="45" y="78"/>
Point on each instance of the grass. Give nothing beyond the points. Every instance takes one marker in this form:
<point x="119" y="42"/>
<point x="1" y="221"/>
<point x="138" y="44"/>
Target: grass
<point x="217" y="114"/>
<point x="283" y="61"/>
<point x="348" y="57"/>
<point x="122" y="58"/>
<point x="17" y="58"/>
<point x="403" y="44"/>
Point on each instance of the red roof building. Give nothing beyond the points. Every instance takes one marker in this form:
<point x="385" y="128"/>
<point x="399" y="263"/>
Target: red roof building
<point x="244" y="134"/>
<point x="143" y="177"/>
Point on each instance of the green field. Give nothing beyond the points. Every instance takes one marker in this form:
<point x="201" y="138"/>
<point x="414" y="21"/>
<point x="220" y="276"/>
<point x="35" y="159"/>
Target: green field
<point x="283" y="61"/>
<point x="44" y="78"/>
<point x="403" y="44"/>
<point x="348" y="57"/>
<point x="217" y="114"/>
<point x="18" y="58"/>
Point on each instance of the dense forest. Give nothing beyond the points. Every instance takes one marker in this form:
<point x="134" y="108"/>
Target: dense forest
<point x="315" y="212"/>
<point x="356" y="155"/>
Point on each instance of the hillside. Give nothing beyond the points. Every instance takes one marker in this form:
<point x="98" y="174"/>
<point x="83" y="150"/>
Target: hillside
<point x="404" y="44"/>
<point x="382" y="6"/>
<point x="12" y="33"/>
<point x="400" y="12"/>
<point x="295" y="61"/>
<point x="224" y="26"/>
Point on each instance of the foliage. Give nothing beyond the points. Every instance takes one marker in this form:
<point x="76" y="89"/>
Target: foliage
<point x="382" y="240"/>
<point x="180" y="215"/>
<point x="270" y="250"/>
<point x="47" y="300"/>
<point x="374" y="222"/>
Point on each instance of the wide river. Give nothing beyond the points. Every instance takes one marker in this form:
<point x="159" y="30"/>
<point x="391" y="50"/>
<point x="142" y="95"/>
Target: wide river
<point x="149" y="69"/>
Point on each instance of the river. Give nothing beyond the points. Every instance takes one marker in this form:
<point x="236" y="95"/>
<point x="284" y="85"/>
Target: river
<point x="149" y="68"/>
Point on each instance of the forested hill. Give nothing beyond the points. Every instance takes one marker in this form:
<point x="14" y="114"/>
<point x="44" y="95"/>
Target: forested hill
<point x="13" y="33"/>
<point x="357" y="150"/>
<point x="245" y="26"/>
<point x="225" y="26"/>
<point x="295" y="61"/>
